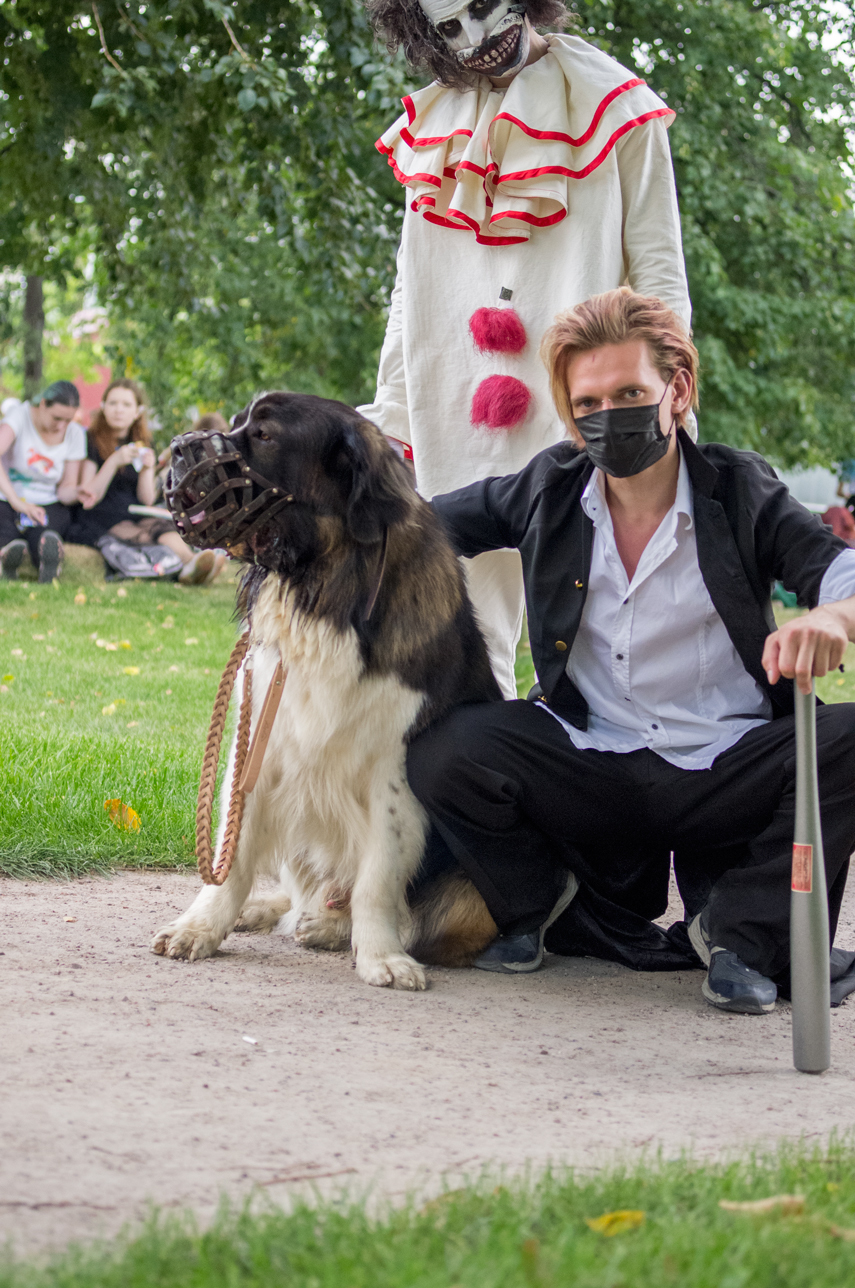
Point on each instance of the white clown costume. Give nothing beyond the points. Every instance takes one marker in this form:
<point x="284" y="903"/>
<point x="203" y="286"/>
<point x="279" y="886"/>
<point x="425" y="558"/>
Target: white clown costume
<point x="531" y="199"/>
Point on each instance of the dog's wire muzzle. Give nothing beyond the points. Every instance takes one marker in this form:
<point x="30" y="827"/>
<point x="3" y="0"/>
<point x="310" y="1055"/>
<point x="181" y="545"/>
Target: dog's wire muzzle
<point x="210" y="491"/>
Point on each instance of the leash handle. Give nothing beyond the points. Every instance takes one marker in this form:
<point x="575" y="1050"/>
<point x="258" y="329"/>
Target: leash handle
<point x="258" y="746"/>
<point x="809" y="939"/>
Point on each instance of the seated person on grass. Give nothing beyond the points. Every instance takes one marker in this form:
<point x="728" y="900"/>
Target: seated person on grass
<point x="41" y="450"/>
<point x="666" y="720"/>
<point x="119" y="472"/>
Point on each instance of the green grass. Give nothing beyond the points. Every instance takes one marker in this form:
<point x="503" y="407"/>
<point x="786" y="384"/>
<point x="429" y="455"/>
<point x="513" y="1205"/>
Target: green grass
<point x="63" y="755"/>
<point x="512" y="1235"/>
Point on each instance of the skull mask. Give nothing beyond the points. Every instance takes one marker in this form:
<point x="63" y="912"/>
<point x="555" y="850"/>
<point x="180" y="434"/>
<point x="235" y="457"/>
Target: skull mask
<point x="489" y="37"/>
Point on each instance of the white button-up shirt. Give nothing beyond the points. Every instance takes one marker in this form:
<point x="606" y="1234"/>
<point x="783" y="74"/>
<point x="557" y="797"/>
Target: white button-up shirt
<point x="652" y="658"/>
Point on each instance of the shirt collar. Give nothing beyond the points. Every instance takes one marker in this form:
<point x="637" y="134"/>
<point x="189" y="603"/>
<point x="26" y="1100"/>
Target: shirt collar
<point x="594" y="496"/>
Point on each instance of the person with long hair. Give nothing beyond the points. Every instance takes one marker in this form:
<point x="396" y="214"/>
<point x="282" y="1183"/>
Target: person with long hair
<point x="41" y="450"/>
<point x="120" y="472"/>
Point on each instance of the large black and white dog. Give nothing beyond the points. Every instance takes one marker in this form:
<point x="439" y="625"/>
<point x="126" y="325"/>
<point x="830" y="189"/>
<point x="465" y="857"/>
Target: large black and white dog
<point x="331" y="817"/>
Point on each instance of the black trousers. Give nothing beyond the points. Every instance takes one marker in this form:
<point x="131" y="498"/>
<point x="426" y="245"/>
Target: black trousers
<point x="514" y="800"/>
<point x="58" y="521"/>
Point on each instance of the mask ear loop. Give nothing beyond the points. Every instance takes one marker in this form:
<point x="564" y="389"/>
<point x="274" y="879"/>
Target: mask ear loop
<point x="659" y="404"/>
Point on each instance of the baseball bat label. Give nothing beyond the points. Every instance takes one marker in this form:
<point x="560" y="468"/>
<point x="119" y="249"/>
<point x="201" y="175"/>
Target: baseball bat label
<point x="802" y="868"/>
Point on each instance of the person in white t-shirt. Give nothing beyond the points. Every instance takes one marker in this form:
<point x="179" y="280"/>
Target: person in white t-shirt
<point x="42" y="449"/>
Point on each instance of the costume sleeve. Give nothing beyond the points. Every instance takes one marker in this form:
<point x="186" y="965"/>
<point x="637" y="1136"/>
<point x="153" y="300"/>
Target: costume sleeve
<point x="838" y="581"/>
<point x="652" y="241"/>
<point x="389" y="411"/>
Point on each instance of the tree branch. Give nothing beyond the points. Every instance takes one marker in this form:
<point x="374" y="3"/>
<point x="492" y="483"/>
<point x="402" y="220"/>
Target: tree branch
<point x="104" y="50"/>
<point x="233" y="38"/>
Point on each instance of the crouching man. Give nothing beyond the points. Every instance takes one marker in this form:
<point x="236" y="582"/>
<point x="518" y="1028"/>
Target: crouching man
<point x="666" y="721"/>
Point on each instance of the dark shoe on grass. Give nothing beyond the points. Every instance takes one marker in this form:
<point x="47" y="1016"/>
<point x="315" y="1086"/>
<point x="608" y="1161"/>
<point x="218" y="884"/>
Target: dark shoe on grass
<point x="50" y="557"/>
<point x="730" y="985"/>
<point x="11" y="557"/>
<point x="519" y="954"/>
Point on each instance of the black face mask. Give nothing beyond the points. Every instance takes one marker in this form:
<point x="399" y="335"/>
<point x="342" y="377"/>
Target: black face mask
<point x="623" y="441"/>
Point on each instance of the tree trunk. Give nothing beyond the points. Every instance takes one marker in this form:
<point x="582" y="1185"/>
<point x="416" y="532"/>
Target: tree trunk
<point x="34" y="327"/>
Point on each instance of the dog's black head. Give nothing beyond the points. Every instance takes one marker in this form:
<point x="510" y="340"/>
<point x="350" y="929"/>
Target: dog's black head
<point x="294" y="473"/>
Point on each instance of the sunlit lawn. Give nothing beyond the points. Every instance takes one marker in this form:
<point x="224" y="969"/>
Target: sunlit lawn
<point x="110" y="699"/>
<point x="107" y="699"/>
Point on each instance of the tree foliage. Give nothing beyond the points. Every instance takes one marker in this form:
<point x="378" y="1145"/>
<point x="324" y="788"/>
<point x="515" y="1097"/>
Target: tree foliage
<point x="219" y="159"/>
<point x="759" y="148"/>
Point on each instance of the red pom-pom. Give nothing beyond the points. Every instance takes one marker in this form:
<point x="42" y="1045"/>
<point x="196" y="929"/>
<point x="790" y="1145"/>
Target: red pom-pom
<point x="500" y="402"/>
<point x="498" y="331"/>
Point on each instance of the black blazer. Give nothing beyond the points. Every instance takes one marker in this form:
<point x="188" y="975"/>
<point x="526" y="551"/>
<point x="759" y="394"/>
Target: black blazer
<point x="750" y="533"/>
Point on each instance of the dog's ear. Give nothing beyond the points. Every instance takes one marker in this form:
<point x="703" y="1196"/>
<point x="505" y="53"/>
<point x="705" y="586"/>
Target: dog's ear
<point x="377" y="488"/>
<point x="241" y="417"/>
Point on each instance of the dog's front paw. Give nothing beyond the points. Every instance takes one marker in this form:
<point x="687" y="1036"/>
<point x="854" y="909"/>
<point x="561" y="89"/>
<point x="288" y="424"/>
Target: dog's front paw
<point x="187" y="939"/>
<point x="398" y="971"/>
<point x="330" y="931"/>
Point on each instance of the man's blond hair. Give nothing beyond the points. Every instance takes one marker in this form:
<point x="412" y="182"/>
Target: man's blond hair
<point x="614" y="318"/>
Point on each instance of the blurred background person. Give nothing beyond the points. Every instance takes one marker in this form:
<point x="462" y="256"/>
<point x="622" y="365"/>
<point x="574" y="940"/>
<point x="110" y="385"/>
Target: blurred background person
<point x="42" y="448"/>
<point x="841" y="522"/>
<point x="119" y="472"/>
<point x="209" y="420"/>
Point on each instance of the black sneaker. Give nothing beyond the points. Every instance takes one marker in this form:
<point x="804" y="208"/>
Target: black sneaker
<point x="10" y="559"/>
<point x="730" y="985"/>
<point x="518" y="954"/>
<point x="50" y="557"/>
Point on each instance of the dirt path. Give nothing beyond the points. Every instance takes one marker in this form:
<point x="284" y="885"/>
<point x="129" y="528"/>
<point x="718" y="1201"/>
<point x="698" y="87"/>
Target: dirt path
<point x="127" y="1079"/>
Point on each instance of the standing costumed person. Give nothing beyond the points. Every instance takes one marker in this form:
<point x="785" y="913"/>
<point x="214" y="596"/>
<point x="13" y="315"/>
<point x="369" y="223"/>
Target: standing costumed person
<point x="537" y="174"/>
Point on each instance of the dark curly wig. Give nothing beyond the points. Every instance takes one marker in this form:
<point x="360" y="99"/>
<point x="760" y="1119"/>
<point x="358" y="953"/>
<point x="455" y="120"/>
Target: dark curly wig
<point x="403" y="24"/>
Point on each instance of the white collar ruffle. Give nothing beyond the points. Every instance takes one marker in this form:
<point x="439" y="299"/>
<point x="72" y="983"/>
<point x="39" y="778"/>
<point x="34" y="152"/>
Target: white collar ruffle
<point x="498" y="163"/>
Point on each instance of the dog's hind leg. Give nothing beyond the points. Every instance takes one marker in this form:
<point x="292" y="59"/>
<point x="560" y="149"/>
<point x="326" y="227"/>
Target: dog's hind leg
<point x="378" y="901"/>
<point x="451" y="923"/>
<point x="262" y="914"/>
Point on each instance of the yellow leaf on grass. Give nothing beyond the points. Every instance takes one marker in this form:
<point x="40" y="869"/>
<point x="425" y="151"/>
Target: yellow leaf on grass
<point x="611" y="1223"/>
<point x="80" y="598"/>
<point x="125" y="644"/>
<point x="7" y="679"/>
<point x="121" y="593"/>
<point x="111" y="707"/>
<point x="122" y="816"/>
<point x="786" y="1204"/>
<point x="130" y="670"/>
<point x="192" y="640"/>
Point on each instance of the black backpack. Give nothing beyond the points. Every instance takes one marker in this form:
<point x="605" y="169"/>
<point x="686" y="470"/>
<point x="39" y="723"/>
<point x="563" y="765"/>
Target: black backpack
<point x="125" y="561"/>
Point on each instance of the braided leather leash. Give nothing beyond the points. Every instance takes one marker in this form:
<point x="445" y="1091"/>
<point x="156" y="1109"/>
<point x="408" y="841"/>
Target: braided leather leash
<point x="208" y="778"/>
<point x="247" y="767"/>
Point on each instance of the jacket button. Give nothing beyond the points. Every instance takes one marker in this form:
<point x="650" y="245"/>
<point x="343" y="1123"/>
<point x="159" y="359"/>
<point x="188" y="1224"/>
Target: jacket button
<point x="560" y="646"/>
<point x="578" y="585"/>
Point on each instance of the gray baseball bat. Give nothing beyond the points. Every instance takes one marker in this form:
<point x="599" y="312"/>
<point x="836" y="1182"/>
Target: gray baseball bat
<point x="809" y="947"/>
